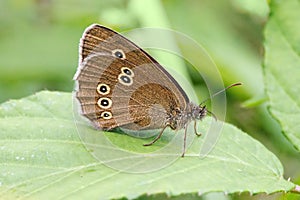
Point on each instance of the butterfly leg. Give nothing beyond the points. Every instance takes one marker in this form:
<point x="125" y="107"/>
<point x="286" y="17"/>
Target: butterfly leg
<point x="158" y="136"/>
<point x="184" y="141"/>
<point x="195" y="129"/>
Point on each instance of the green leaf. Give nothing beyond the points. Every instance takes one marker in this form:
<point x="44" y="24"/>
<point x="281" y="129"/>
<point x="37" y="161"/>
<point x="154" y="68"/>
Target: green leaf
<point x="43" y="157"/>
<point x="282" y="66"/>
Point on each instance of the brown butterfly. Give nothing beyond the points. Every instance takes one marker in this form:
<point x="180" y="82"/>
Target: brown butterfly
<point x="119" y="85"/>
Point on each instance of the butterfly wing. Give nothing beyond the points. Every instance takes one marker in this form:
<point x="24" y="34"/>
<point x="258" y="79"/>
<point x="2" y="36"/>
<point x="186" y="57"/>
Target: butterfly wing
<point x="120" y="85"/>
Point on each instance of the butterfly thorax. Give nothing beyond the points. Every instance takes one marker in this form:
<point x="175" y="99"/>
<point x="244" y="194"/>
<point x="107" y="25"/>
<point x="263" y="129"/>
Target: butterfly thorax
<point x="179" y="119"/>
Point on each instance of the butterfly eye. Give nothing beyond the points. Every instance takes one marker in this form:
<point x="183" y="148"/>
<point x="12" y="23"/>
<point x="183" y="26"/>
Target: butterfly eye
<point x="127" y="71"/>
<point x="104" y="103"/>
<point x="103" y="89"/>
<point x="125" y="79"/>
<point x="106" y="115"/>
<point x="119" y="54"/>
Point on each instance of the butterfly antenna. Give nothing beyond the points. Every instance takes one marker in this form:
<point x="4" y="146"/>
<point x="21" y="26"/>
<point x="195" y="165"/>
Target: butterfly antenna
<point x="223" y="90"/>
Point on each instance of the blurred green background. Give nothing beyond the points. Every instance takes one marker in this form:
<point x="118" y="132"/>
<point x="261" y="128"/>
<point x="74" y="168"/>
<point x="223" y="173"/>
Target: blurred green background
<point x="39" y="50"/>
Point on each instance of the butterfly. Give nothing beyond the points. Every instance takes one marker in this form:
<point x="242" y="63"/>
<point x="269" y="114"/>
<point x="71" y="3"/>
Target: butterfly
<point x="119" y="85"/>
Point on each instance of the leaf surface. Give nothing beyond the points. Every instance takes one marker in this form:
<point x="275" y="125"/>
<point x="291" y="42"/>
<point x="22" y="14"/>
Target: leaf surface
<point x="282" y="66"/>
<point x="43" y="157"/>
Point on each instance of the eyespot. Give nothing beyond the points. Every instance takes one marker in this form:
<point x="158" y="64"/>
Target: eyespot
<point x="127" y="71"/>
<point x="104" y="102"/>
<point x="106" y="115"/>
<point x="103" y="89"/>
<point x="125" y="79"/>
<point x="119" y="54"/>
